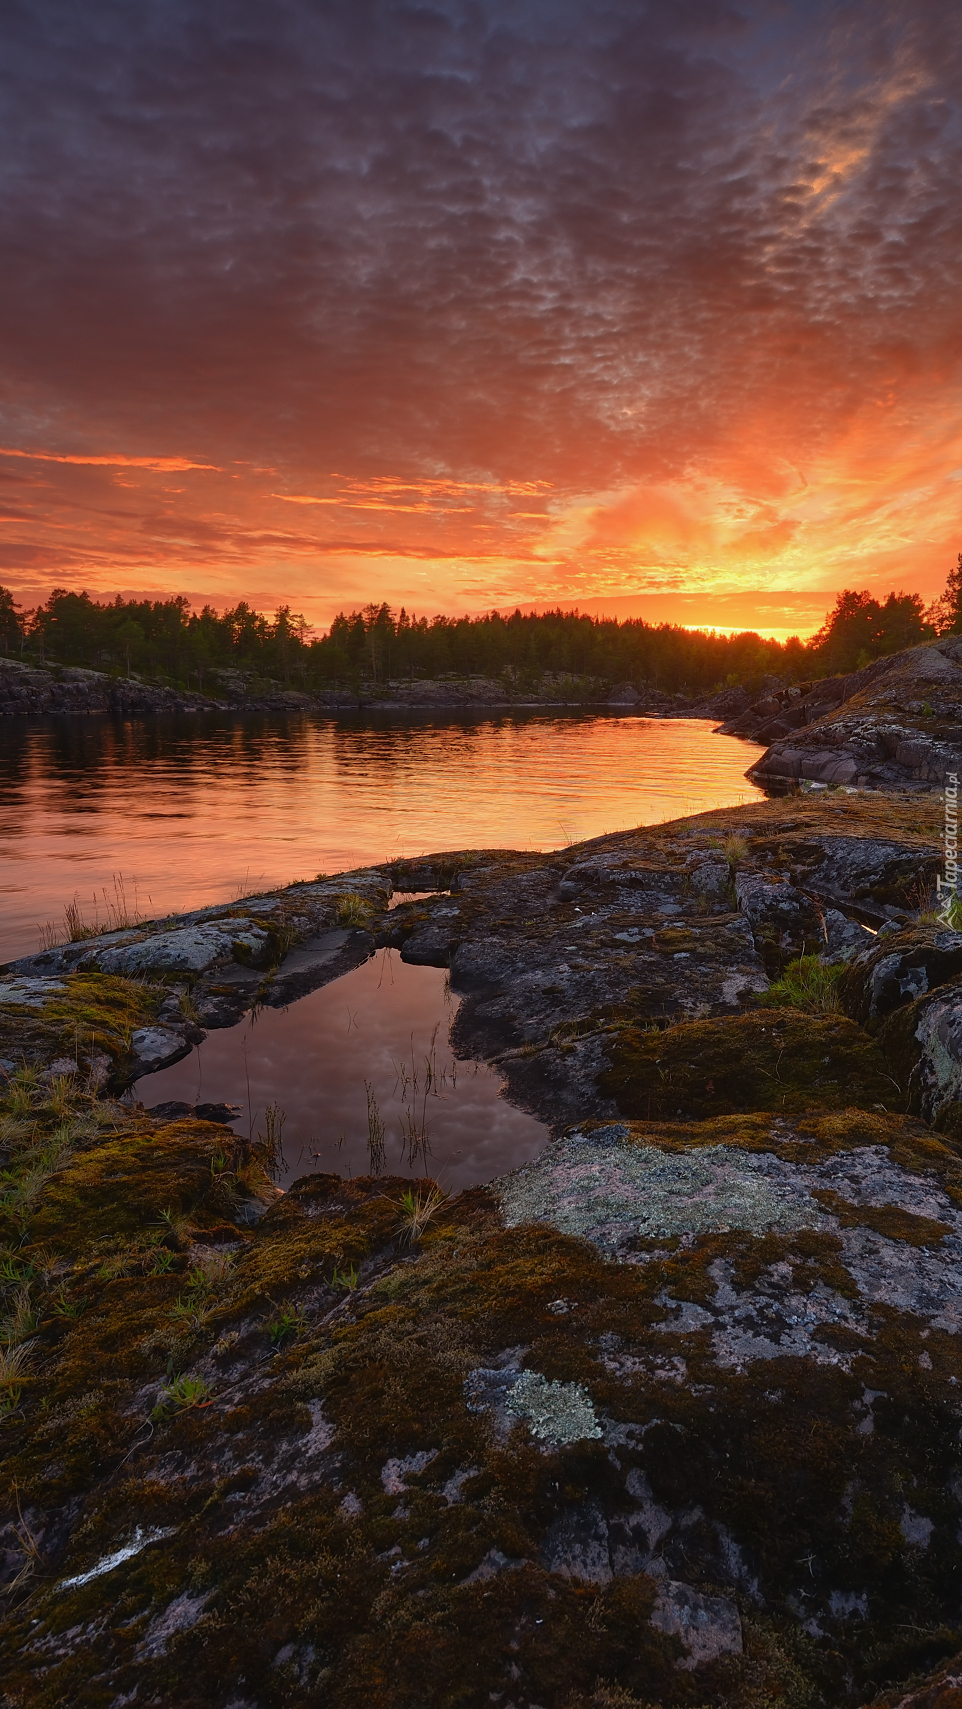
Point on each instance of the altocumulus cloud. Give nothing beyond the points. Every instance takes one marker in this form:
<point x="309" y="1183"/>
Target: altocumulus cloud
<point x="595" y="245"/>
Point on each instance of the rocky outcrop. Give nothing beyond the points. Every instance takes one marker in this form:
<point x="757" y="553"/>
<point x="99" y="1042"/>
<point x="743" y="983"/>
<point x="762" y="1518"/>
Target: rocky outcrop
<point x="896" y="724"/>
<point x="669" y="1416"/>
<point x="33" y="690"/>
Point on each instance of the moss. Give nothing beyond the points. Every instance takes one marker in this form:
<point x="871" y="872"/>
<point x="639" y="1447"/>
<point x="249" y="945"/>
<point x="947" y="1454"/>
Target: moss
<point x="778" y="1060"/>
<point x="308" y="1576"/>
<point x="769" y="1453"/>
<point x="117" y="1189"/>
<point x="887" y="1220"/>
<point x="95" y="1014"/>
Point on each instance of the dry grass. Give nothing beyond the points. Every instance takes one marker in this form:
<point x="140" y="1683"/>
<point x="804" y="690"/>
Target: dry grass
<point x="353" y="910"/>
<point x="118" y="915"/>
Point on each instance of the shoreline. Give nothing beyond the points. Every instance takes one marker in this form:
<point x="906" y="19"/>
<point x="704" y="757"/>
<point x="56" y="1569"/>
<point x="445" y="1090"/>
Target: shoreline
<point x="584" y="1388"/>
<point x="27" y="690"/>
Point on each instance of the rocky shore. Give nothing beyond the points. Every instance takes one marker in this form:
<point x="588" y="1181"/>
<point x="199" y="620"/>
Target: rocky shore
<point x="29" y="690"/>
<point x="896" y="724"/>
<point x="670" y="1416"/>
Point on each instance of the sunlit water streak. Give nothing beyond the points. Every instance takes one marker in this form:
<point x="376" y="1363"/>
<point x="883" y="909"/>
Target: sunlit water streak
<point x="377" y="1037"/>
<point x="199" y="809"/>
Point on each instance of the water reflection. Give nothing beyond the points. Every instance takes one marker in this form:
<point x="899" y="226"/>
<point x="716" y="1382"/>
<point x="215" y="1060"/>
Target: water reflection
<point x="372" y="1046"/>
<point x="196" y="809"/>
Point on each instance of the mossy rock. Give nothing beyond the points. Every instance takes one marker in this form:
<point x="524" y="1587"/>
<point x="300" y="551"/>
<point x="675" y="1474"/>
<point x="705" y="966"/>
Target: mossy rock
<point x="94" y="1014"/>
<point x="118" y="1188"/>
<point x="775" y="1059"/>
<point x="333" y="1523"/>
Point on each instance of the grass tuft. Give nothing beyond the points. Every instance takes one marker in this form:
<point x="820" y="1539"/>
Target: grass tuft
<point x="808" y="984"/>
<point x="182" y="1394"/>
<point x="417" y="1211"/>
<point x="353" y="910"/>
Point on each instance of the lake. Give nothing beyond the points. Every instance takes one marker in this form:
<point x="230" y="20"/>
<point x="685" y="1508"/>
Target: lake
<point x="176" y="812"/>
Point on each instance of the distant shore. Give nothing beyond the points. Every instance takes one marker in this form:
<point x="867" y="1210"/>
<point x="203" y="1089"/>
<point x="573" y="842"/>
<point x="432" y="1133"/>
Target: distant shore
<point x="31" y="691"/>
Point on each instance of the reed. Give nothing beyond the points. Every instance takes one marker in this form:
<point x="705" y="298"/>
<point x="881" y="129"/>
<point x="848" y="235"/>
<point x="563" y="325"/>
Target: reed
<point x="375" y="1133"/>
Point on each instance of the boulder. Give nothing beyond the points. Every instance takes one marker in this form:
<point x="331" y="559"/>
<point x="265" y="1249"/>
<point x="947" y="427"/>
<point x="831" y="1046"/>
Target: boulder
<point x="192" y="949"/>
<point x="157" y="1047"/>
<point x="708" y="1626"/>
<point x="898" y="970"/>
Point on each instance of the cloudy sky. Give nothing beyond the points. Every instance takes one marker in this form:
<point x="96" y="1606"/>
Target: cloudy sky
<point x="641" y="307"/>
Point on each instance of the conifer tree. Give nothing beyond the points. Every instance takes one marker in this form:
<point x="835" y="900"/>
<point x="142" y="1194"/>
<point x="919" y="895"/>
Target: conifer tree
<point x="945" y="614"/>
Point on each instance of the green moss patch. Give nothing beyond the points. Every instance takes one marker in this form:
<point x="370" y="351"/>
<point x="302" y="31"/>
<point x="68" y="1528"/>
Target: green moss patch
<point x="95" y="1014"/>
<point x="119" y="1188"/>
<point x="778" y="1060"/>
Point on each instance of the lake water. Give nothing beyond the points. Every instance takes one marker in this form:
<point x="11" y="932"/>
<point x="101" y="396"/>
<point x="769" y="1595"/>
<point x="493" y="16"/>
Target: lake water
<point x="173" y="813"/>
<point x="371" y="1048"/>
<point x="166" y="814"/>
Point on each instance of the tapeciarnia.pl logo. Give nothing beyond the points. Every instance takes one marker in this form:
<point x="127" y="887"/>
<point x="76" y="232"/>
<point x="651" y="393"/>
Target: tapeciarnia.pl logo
<point x="947" y="886"/>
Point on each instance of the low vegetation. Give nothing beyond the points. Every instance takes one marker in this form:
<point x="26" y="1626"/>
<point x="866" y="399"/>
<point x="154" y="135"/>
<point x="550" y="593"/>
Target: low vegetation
<point x="807" y="983"/>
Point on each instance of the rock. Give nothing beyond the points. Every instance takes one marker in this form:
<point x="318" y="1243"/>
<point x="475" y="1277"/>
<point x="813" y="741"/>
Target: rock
<point x="893" y="725"/>
<point x="428" y="947"/>
<point x="904" y="966"/>
<point x="192" y="949"/>
<point x="779" y="913"/>
<point x="61" y="1066"/>
<point x="935" y="1028"/>
<point x="223" y="1114"/>
<point x="157" y="1047"/>
<point x="174" y="1110"/>
<point x="624" y="695"/>
<point x="603" y="1187"/>
<point x="861" y="867"/>
<point x="701" y="1354"/>
<point x="576" y="1545"/>
<point x="30" y="993"/>
<point x="708" y="1626"/>
<point x="711" y="879"/>
<point x="844" y="938"/>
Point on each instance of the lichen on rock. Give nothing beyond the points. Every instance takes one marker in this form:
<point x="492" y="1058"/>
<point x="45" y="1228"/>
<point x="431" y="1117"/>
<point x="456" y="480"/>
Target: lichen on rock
<point x="670" y="1417"/>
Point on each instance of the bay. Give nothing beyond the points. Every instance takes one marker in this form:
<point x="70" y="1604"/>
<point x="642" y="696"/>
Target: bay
<point x="151" y="816"/>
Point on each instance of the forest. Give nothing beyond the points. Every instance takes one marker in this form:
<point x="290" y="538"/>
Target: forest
<point x="166" y="640"/>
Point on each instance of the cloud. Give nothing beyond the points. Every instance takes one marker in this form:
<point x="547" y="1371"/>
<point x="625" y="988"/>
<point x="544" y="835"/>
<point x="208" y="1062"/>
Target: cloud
<point x="685" y="277"/>
<point x="156" y="464"/>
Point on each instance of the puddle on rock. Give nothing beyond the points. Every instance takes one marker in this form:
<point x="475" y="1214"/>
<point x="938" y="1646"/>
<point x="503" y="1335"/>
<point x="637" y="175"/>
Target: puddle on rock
<point x="371" y="1046"/>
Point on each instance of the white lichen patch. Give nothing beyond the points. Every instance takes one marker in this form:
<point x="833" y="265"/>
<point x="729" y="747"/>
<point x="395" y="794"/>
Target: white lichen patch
<point x="553" y="1412"/>
<point x="29" y="993"/>
<point x="612" y="1192"/>
<point x="139" y="1540"/>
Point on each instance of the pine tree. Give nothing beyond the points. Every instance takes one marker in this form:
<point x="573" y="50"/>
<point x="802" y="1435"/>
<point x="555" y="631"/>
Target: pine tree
<point x="945" y="614"/>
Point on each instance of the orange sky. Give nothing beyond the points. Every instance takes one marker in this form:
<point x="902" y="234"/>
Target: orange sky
<point x="463" y="305"/>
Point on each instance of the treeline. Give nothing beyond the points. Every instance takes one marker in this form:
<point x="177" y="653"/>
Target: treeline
<point x="167" y="640"/>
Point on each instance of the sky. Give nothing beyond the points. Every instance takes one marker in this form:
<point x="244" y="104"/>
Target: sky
<point x="650" y="309"/>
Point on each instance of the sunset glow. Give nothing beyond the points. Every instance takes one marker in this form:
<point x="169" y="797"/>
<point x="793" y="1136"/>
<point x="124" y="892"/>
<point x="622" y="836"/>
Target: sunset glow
<point x="653" y="311"/>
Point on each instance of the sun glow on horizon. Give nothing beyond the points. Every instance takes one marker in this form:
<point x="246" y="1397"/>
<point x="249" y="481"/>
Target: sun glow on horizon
<point x="707" y="367"/>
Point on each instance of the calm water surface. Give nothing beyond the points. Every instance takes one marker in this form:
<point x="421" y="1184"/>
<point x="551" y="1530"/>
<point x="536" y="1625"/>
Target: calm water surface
<point x="373" y="1045"/>
<point x="189" y="810"/>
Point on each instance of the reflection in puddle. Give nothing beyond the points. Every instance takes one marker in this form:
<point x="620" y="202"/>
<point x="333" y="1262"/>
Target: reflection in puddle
<point x="367" y="1052"/>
